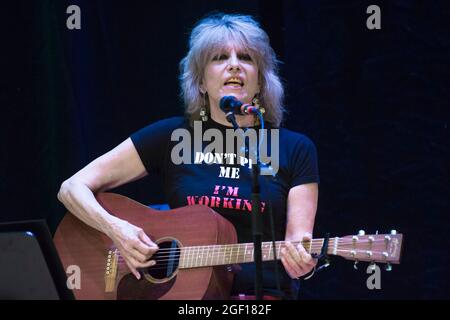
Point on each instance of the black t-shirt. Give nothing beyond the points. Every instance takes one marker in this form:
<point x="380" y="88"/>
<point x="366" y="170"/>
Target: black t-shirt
<point x="226" y="186"/>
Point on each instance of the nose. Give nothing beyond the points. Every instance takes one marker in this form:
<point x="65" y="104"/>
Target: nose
<point x="233" y="62"/>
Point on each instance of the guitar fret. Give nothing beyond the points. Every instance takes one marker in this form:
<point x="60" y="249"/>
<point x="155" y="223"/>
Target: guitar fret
<point x="201" y="256"/>
<point x="278" y="250"/>
<point x="205" y="256"/>
<point x="210" y="256"/>
<point x="224" y="254"/>
<point x="216" y="256"/>
<point x="230" y="255"/>
<point x="264" y="252"/>
<point x="187" y="257"/>
<point x="271" y="251"/>
<point x="211" y="253"/>
<point x="181" y="262"/>
<point x="196" y="256"/>
<point x="205" y="249"/>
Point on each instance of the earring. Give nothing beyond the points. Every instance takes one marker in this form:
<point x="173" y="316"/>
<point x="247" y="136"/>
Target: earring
<point x="255" y="102"/>
<point x="203" y="110"/>
<point x="203" y="114"/>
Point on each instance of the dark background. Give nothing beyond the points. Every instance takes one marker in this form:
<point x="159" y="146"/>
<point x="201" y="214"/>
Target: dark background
<point x="375" y="102"/>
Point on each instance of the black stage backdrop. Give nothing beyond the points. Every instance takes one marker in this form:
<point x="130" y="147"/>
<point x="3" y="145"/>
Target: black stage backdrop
<point x="375" y="102"/>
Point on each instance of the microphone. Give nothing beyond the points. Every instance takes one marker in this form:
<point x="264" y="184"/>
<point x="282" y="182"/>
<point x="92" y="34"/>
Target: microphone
<point x="232" y="104"/>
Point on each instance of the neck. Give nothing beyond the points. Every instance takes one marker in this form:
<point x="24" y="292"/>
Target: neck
<point x="204" y="256"/>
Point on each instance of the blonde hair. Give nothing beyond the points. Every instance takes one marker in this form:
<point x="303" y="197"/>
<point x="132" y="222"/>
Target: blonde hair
<point x="212" y="34"/>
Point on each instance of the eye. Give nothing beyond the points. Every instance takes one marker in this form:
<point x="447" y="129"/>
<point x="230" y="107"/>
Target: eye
<point x="219" y="57"/>
<point x="245" y="57"/>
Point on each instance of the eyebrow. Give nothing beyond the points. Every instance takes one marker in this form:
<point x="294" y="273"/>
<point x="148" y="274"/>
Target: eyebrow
<point x="220" y="51"/>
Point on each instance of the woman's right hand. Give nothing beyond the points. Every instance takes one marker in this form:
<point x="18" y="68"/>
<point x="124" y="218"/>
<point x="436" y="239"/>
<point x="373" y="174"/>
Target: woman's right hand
<point x="134" y="246"/>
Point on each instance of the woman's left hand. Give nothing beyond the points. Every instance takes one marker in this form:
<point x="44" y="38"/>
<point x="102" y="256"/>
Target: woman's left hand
<point x="296" y="260"/>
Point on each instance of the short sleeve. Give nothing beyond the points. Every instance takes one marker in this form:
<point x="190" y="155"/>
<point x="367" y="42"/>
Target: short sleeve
<point x="304" y="162"/>
<point x="152" y="142"/>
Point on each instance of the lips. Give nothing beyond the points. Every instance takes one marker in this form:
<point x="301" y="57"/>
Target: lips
<point x="234" y="81"/>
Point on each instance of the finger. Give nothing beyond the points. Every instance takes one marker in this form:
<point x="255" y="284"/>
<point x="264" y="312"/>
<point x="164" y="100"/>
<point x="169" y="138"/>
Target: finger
<point x="139" y="265"/>
<point x="138" y="256"/>
<point x="146" y="239"/>
<point x="132" y="269"/>
<point x="292" y="264"/>
<point x="295" y="270"/>
<point x="291" y="272"/>
<point x="294" y="254"/>
<point x="304" y="256"/>
<point x="147" y="264"/>
<point x="303" y="262"/>
<point x="144" y="248"/>
<point x="306" y="262"/>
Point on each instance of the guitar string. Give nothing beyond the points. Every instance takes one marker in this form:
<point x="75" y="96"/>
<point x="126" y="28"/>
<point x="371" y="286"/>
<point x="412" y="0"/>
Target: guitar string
<point x="221" y="250"/>
<point x="164" y="266"/>
<point x="221" y="255"/>
<point x="306" y="245"/>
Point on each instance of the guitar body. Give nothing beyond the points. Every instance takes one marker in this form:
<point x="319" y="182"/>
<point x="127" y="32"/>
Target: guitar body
<point x="90" y="250"/>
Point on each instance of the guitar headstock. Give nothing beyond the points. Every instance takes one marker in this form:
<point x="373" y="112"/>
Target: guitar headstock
<point x="376" y="248"/>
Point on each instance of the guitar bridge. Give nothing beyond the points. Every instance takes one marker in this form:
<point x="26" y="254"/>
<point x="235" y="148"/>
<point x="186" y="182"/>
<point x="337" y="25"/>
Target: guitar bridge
<point x="111" y="270"/>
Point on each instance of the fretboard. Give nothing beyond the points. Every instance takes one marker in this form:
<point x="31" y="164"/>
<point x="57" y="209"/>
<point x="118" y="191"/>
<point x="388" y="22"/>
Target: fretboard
<point x="206" y="256"/>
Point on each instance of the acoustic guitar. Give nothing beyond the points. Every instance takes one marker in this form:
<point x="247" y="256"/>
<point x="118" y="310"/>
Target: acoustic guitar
<point x="197" y="249"/>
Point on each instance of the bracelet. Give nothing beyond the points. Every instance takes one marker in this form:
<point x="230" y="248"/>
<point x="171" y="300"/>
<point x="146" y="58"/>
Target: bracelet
<point x="310" y="275"/>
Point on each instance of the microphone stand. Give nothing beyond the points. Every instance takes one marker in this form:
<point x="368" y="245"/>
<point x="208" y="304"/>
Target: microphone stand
<point x="232" y="119"/>
<point x="256" y="217"/>
<point x="257" y="229"/>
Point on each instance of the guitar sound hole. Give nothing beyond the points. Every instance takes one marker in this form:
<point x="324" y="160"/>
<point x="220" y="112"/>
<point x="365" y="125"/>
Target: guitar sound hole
<point x="167" y="260"/>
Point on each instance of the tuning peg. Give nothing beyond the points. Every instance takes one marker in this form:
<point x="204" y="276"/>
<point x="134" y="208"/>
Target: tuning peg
<point x="361" y="232"/>
<point x="388" y="267"/>
<point x="355" y="265"/>
<point x="393" y="232"/>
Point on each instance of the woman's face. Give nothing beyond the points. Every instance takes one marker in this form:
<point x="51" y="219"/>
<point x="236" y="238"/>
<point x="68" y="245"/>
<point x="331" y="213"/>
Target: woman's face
<point x="233" y="72"/>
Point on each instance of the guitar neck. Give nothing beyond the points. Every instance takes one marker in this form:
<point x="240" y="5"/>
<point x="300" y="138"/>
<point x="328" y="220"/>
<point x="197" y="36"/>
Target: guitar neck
<point x="380" y="248"/>
<point x="207" y="256"/>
